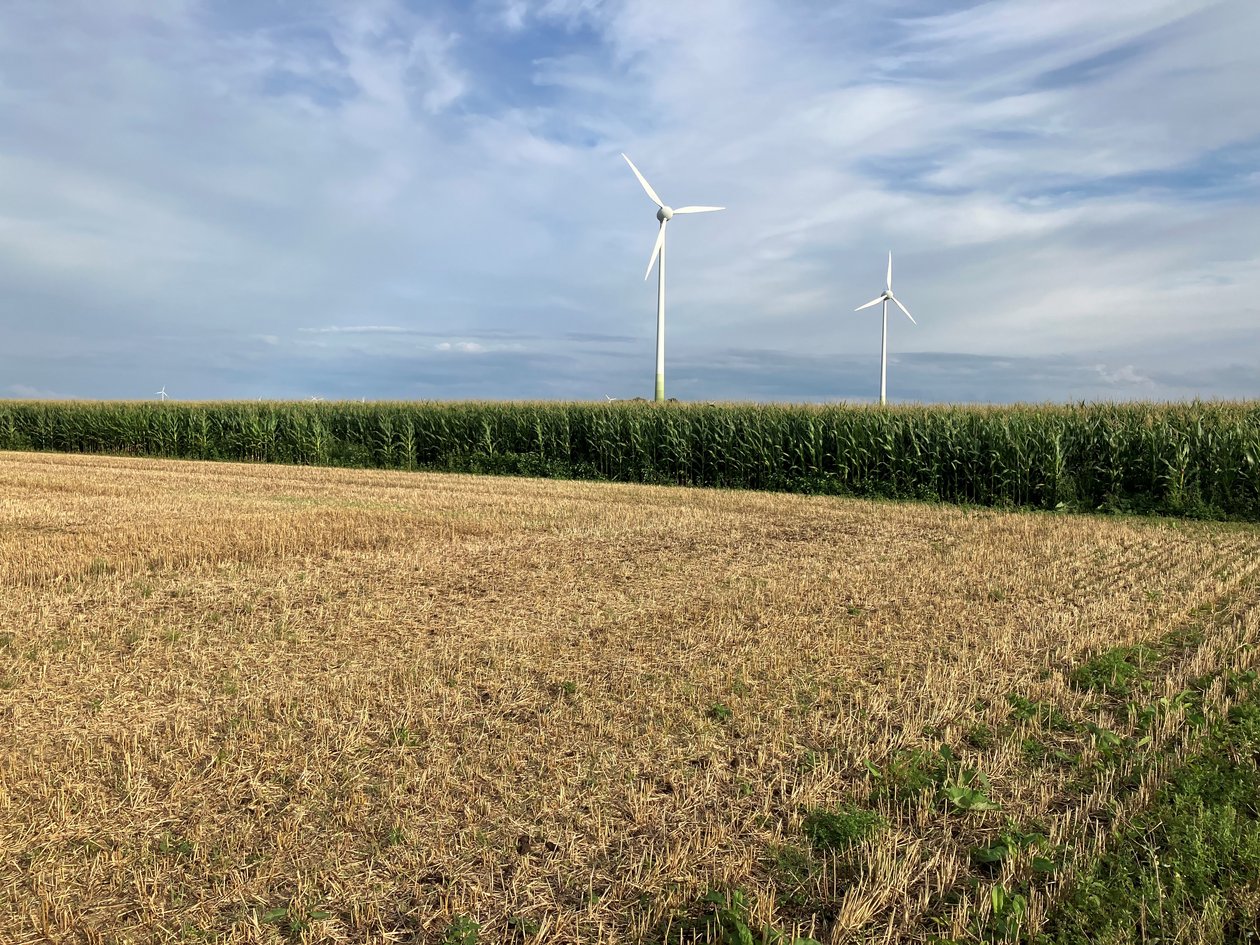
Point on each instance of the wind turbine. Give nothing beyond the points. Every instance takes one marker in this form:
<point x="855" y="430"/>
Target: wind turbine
<point x="160" y="393"/>
<point x="886" y="296"/>
<point x="664" y="214"/>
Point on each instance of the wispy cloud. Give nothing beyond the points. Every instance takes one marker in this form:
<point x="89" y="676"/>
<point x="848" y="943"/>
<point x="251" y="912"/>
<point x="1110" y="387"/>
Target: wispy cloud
<point x="478" y="347"/>
<point x="361" y="330"/>
<point x="26" y="392"/>
<point x="1073" y="182"/>
<point x="1126" y="375"/>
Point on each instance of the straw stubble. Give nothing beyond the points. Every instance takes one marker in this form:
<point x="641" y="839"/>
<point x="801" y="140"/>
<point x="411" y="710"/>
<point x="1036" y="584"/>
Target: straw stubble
<point x="326" y="705"/>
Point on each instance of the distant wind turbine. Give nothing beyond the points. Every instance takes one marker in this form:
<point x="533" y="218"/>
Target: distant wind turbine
<point x="886" y="296"/>
<point x="160" y="393"/>
<point x="664" y="214"/>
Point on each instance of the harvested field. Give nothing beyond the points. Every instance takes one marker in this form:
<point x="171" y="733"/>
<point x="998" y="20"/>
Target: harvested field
<point x="264" y="704"/>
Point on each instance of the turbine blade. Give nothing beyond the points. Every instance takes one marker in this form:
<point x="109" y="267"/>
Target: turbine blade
<point x="904" y="309"/>
<point x="869" y="304"/>
<point x="698" y="209"/>
<point x="656" y="250"/>
<point x="890" y="270"/>
<point x="646" y="186"/>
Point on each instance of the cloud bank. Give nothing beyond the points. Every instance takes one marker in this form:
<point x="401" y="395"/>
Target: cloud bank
<point x="425" y="200"/>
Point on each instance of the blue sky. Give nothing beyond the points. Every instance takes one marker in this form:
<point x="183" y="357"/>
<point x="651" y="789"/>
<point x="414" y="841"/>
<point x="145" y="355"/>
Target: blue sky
<point x="389" y="199"/>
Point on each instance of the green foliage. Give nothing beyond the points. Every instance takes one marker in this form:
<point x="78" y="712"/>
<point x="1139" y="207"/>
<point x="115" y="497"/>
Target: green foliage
<point x="521" y="927"/>
<point x="840" y="828"/>
<point x="1043" y="715"/>
<point x="1010" y="842"/>
<point x="1108" y="743"/>
<point x="809" y="760"/>
<point x="792" y="867"/>
<point x="1198" y="459"/>
<point x="724" y="920"/>
<point x="969" y="790"/>
<point x="463" y="931"/>
<point x="980" y="736"/>
<point x="720" y="712"/>
<point x="1038" y="752"/>
<point x="1009" y="909"/>
<point x="1188" y="701"/>
<point x="1190" y="861"/>
<point x="910" y="772"/>
<point x="293" y="919"/>
<point x="1114" y="672"/>
<point x="174" y="845"/>
<point x="403" y="736"/>
<point x="913" y="771"/>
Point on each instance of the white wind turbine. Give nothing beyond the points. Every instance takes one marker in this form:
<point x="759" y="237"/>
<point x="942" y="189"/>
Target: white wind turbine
<point x="664" y="214"/>
<point x="160" y="393"/>
<point x="886" y="296"/>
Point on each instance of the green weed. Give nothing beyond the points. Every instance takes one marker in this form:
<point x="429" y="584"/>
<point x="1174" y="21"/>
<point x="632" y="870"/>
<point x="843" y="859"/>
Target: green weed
<point x="980" y="736"/>
<point x="1010" y="842"/>
<point x="1191" y="860"/>
<point x="969" y="790"/>
<point x="174" y="845"/>
<point x="724" y="920"/>
<point x="522" y="928"/>
<point x="1114" y="672"/>
<point x="839" y="828"/>
<point x="294" y="919"/>
<point x="720" y="712"/>
<point x="791" y="866"/>
<point x="463" y="931"/>
<point x="914" y="771"/>
<point x="1043" y="715"/>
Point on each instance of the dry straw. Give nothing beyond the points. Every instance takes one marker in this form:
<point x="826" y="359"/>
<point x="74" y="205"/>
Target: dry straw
<point x="247" y="703"/>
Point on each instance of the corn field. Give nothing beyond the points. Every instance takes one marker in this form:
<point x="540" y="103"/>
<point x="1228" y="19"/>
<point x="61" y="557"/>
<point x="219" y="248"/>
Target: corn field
<point x="1200" y="459"/>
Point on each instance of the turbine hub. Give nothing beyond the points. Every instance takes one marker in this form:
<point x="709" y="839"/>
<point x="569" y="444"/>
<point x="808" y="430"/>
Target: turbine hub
<point x="665" y="213"/>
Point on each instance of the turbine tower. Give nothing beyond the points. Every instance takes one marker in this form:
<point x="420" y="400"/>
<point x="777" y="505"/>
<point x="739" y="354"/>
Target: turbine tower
<point x="160" y="393"/>
<point x="886" y="296"/>
<point x="664" y="214"/>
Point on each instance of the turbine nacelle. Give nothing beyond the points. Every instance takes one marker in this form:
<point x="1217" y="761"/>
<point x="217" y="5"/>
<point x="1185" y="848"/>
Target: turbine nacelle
<point x="664" y="214"/>
<point x="887" y="295"/>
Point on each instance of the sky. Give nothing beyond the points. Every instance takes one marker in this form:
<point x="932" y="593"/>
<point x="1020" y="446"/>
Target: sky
<point x="396" y="199"/>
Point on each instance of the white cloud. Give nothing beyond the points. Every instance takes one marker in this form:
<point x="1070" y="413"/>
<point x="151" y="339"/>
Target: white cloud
<point x="512" y="14"/>
<point x="478" y="347"/>
<point x="358" y="330"/>
<point x="26" y="392"/>
<point x="1051" y="180"/>
<point x="1126" y="375"/>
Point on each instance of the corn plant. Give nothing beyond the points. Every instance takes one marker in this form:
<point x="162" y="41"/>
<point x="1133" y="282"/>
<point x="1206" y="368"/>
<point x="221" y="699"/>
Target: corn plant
<point x="1200" y="458"/>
